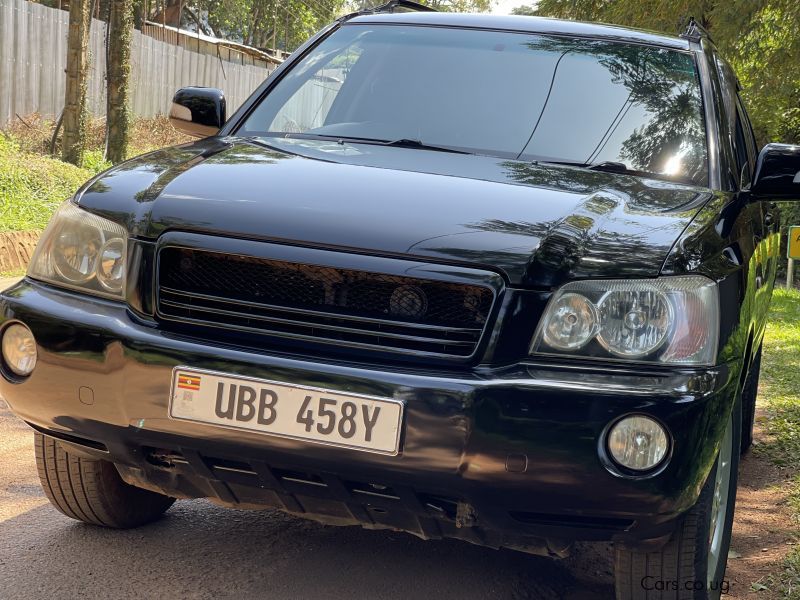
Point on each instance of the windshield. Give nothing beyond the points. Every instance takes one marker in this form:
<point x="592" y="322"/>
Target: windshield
<point x="511" y="95"/>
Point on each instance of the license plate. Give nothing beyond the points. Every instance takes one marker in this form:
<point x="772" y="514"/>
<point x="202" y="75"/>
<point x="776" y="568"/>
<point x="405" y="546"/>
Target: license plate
<point x="294" y="411"/>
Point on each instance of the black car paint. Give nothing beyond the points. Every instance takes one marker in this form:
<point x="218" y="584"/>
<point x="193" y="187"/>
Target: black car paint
<point x="552" y="224"/>
<point x="467" y="426"/>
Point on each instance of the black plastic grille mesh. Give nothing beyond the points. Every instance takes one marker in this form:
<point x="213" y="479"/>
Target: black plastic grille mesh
<point x="204" y="281"/>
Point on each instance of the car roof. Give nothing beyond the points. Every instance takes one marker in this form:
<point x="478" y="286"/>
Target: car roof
<point x="526" y="24"/>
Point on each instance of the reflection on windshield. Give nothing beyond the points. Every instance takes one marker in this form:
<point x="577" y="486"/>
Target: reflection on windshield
<point x="512" y="95"/>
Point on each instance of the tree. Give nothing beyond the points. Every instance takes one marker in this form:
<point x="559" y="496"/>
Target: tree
<point x="74" y="140"/>
<point x="117" y="80"/>
<point x="288" y="23"/>
<point x="525" y="11"/>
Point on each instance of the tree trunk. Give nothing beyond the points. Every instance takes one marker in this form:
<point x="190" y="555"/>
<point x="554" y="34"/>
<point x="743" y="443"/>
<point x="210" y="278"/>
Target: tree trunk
<point x="74" y="141"/>
<point x="117" y="79"/>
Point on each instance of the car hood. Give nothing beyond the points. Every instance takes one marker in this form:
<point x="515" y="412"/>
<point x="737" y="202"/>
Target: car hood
<point x="537" y="224"/>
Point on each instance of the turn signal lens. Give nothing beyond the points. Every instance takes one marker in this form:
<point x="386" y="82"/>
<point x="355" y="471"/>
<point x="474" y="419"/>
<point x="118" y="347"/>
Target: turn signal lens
<point x="19" y="349"/>
<point x="638" y="443"/>
<point x="111" y="265"/>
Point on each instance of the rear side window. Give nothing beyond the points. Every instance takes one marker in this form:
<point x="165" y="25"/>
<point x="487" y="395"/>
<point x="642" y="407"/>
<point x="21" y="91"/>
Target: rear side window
<point x="743" y="161"/>
<point x="511" y="95"/>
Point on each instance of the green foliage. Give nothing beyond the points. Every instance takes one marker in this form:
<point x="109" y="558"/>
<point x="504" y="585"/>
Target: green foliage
<point x="779" y="394"/>
<point x="459" y="5"/>
<point x="525" y="11"/>
<point x="93" y="161"/>
<point x="259" y="22"/>
<point x="579" y="10"/>
<point x="780" y="381"/>
<point x="12" y="273"/>
<point x="766" y="59"/>
<point x="290" y="23"/>
<point x="759" y="37"/>
<point x="32" y="186"/>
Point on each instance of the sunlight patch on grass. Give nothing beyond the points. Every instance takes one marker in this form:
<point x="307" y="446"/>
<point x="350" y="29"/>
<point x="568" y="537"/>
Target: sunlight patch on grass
<point x="12" y="273"/>
<point x="779" y="390"/>
<point x="779" y="395"/>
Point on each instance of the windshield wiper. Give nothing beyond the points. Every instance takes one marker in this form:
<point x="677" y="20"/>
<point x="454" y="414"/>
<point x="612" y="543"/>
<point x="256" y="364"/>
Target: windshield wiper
<point x="410" y="143"/>
<point x="605" y="166"/>
<point x="398" y="143"/>
<point x="613" y="167"/>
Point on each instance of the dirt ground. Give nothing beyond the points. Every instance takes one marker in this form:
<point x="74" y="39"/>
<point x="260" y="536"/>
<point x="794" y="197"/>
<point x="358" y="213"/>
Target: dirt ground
<point x="202" y="551"/>
<point x="763" y="531"/>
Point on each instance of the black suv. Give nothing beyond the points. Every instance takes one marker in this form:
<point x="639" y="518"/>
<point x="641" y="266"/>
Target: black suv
<point x="499" y="279"/>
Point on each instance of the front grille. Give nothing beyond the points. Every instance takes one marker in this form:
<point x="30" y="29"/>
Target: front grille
<point x="282" y="299"/>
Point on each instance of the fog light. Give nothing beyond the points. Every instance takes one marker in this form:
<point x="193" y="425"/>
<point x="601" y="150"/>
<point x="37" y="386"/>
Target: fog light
<point x="19" y="349"/>
<point x="638" y="442"/>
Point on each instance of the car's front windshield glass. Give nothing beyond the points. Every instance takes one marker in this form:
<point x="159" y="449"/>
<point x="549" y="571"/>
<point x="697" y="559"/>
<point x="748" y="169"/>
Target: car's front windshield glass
<point x="512" y="95"/>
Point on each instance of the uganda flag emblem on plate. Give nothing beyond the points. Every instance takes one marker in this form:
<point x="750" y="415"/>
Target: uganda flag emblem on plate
<point x="188" y="382"/>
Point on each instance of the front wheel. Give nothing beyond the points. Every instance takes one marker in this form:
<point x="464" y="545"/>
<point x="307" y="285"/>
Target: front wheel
<point x="91" y="490"/>
<point x="691" y="566"/>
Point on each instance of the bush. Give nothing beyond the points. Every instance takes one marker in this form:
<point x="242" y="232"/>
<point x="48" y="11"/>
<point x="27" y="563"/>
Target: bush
<point x="32" y="186"/>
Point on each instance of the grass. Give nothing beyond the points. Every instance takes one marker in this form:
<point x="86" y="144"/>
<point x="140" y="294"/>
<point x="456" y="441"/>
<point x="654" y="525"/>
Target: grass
<point x="779" y="395"/>
<point x="780" y="378"/>
<point x="12" y="273"/>
<point x="34" y="133"/>
<point x="33" y="184"/>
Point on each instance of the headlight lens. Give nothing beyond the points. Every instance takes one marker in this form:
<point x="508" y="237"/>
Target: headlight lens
<point x="82" y="251"/>
<point x="668" y="320"/>
<point x="633" y="323"/>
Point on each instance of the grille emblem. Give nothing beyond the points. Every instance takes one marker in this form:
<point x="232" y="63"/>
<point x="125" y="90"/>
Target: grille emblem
<point x="408" y="301"/>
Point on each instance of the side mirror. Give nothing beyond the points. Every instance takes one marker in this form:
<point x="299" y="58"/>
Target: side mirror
<point x="198" y="111"/>
<point x="778" y="172"/>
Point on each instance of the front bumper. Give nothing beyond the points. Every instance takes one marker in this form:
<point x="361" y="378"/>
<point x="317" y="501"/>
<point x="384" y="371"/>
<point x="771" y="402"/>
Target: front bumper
<point x="503" y="456"/>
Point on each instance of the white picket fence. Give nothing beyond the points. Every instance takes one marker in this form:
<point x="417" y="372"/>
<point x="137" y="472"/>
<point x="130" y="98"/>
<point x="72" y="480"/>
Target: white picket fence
<point x="33" y="57"/>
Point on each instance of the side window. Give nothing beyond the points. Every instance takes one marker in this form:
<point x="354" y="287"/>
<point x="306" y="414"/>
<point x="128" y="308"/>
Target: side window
<point x="744" y="167"/>
<point x="746" y="152"/>
<point x="750" y="138"/>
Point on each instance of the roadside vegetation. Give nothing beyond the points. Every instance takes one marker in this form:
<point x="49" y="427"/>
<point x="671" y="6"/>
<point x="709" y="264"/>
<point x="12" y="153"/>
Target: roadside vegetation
<point x="33" y="184"/>
<point x="779" y="397"/>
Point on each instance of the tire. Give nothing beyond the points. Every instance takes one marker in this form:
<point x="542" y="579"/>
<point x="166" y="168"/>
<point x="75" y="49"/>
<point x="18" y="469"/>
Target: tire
<point x="749" y="394"/>
<point x="91" y="490"/>
<point x="680" y="569"/>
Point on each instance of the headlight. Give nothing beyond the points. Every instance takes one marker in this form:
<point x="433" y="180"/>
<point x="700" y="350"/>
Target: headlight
<point x="671" y="320"/>
<point x="82" y="251"/>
